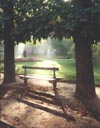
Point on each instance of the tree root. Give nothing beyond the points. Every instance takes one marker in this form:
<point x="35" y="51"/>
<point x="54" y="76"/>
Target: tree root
<point x="93" y="106"/>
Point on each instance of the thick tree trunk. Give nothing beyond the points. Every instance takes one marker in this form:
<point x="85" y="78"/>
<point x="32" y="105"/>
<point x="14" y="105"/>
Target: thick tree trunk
<point x="9" y="65"/>
<point x="85" y="87"/>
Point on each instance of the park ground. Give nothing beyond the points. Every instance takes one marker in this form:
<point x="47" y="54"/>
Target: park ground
<point x="39" y="108"/>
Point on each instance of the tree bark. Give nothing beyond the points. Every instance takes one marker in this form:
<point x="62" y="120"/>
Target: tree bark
<point x="85" y="87"/>
<point x="9" y="65"/>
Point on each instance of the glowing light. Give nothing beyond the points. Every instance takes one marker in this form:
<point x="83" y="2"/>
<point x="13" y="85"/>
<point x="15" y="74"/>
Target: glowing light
<point x="49" y="63"/>
<point x="66" y="0"/>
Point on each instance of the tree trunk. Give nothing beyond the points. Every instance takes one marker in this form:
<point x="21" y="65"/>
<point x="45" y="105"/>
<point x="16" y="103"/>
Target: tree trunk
<point x="85" y="87"/>
<point x="9" y="65"/>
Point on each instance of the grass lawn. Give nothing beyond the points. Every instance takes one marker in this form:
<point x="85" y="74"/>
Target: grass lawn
<point x="66" y="68"/>
<point x="97" y="73"/>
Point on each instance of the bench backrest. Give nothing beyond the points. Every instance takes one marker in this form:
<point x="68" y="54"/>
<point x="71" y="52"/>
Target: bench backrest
<point x="41" y="68"/>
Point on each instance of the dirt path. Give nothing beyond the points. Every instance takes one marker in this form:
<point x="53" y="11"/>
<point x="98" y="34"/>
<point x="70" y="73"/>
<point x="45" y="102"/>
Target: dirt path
<point x="40" y="109"/>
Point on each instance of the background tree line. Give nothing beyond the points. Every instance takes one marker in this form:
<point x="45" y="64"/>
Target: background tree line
<point x="63" y="49"/>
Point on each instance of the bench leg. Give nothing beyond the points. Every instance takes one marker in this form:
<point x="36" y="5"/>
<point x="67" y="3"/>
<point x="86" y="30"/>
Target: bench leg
<point x="54" y="85"/>
<point x="25" y="81"/>
<point x="20" y="93"/>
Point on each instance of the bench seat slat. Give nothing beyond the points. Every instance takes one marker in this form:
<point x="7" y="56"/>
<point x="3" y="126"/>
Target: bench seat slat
<point x="37" y="77"/>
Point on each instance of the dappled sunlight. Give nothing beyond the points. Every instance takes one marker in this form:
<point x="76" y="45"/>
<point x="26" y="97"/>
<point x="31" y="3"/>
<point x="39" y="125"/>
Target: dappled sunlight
<point x="12" y="107"/>
<point x="41" y="85"/>
<point x="49" y="63"/>
<point x="39" y="114"/>
<point x="66" y="0"/>
<point x="21" y="114"/>
<point x="98" y="91"/>
<point x="39" y="108"/>
<point x="1" y="78"/>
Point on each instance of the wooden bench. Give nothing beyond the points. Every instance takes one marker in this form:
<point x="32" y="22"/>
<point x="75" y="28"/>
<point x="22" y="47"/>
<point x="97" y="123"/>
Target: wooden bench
<point x="51" y="78"/>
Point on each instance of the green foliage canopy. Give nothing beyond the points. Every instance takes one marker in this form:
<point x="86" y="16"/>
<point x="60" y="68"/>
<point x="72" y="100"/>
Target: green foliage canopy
<point x="43" y="18"/>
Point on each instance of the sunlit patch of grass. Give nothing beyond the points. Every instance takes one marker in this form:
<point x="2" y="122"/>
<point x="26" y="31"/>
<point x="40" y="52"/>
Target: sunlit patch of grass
<point x="97" y="72"/>
<point x="48" y="63"/>
<point x="66" y="68"/>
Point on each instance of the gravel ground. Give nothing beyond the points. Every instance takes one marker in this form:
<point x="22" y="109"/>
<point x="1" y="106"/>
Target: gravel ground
<point x="40" y="108"/>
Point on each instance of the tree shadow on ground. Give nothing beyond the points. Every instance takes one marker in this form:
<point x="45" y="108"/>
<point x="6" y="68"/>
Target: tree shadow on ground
<point x="91" y="105"/>
<point x="5" y="125"/>
<point x="49" y="99"/>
